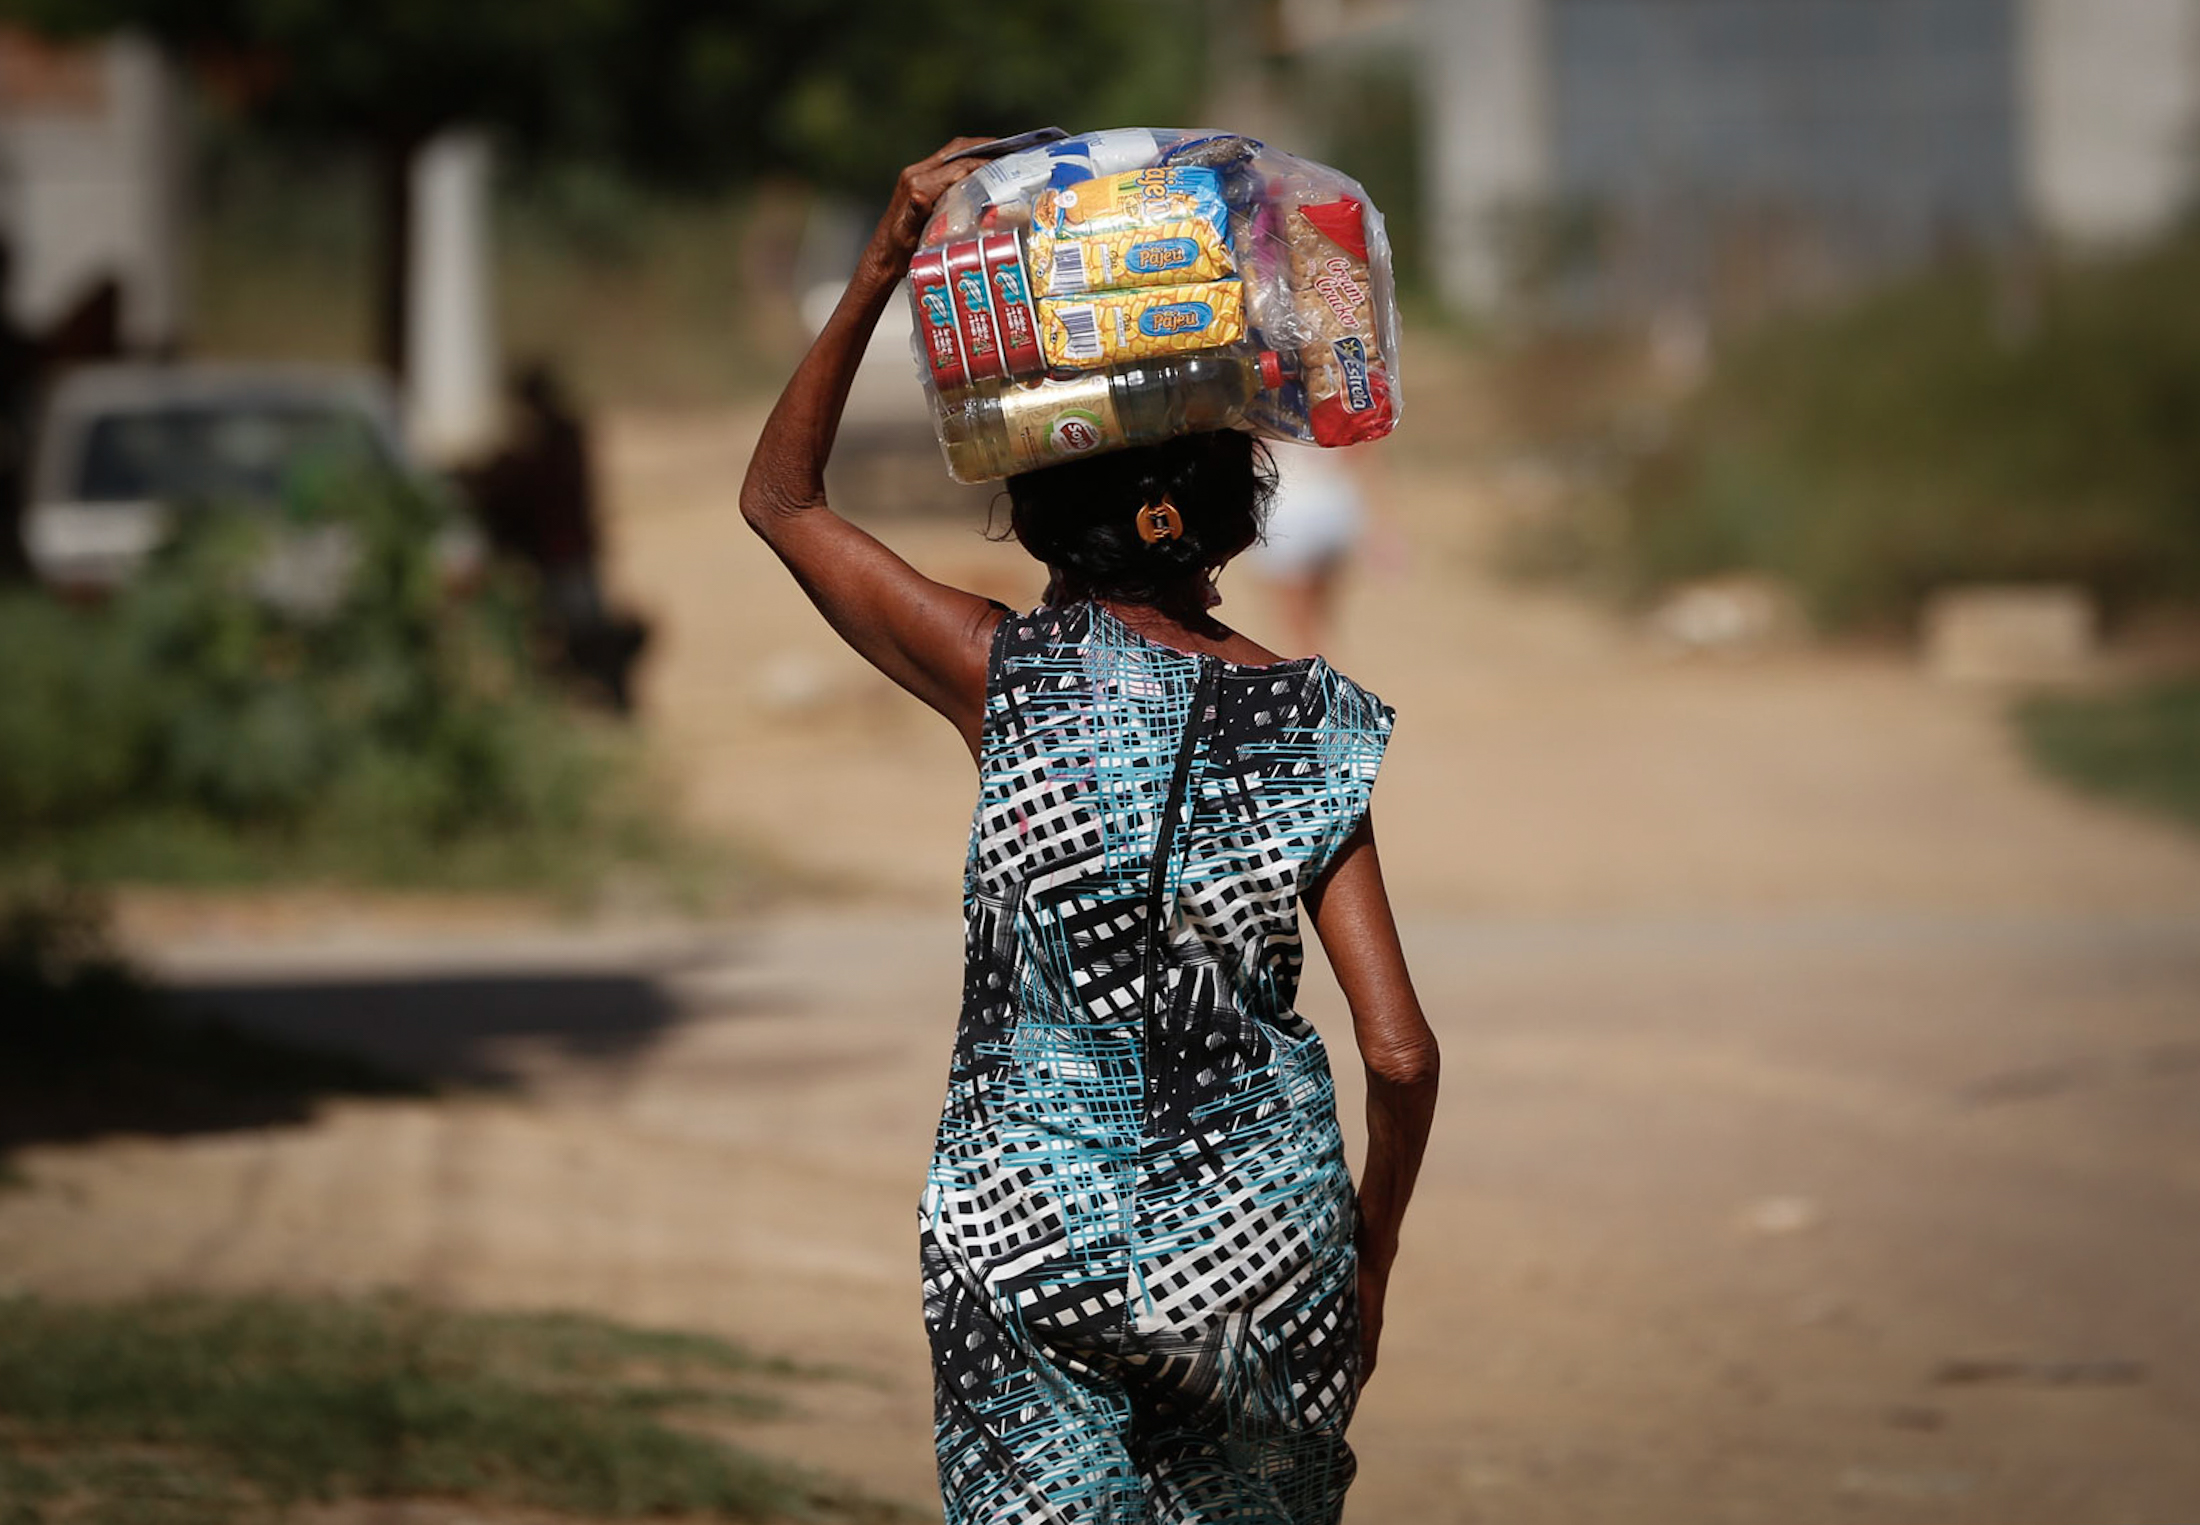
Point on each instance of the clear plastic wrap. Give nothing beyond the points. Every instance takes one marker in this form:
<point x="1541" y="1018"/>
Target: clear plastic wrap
<point x="1121" y="287"/>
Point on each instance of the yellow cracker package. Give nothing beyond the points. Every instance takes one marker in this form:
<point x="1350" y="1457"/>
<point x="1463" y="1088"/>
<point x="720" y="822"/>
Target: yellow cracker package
<point x="1168" y="254"/>
<point x="1143" y="199"/>
<point x="1108" y="327"/>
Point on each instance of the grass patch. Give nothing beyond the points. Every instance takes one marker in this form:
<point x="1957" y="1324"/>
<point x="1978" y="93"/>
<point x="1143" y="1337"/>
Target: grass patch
<point x="87" y="1048"/>
<point x="182" y="1410"/>
<point x="2138" y="748"/>
<point x="1966" y="425"/>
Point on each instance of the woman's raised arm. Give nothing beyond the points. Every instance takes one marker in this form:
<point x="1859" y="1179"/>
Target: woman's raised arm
<point x="929" y="638"/>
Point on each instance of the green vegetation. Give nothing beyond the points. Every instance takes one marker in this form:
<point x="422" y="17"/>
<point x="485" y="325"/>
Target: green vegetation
<point x="838" y="92"/>
<point x="376" y="727"/>
<point x="198" y="1411"/>
<point x="1965" y="426"/>
<point x="2140" y="747"/>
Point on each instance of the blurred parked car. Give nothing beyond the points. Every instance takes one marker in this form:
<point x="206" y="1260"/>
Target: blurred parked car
<point x="122" y="449"/>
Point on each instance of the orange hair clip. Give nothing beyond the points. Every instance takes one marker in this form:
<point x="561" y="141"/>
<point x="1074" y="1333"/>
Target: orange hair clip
<point x="1158" y="522"/>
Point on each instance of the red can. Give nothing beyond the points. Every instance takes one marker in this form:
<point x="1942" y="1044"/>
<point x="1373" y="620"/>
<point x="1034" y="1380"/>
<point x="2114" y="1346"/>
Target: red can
<point x="1014" y="317"/>
<point x="973" y="304"/>
<point x="928" y="293"/>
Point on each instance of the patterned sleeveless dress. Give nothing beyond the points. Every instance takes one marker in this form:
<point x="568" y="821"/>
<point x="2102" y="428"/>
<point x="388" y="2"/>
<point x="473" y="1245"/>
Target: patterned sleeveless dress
<point x="1137" y="1229"/>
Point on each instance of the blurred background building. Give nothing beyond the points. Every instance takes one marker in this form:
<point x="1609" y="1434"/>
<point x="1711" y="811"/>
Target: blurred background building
<point x="96" y="174"/>
<point x="1579" y="159"/>
<point x="92" y="172"/>
<point x="1606" y="156"/>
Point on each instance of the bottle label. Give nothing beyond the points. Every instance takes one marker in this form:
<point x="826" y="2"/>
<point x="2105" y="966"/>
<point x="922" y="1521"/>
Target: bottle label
<point x="1075" y="431"/>
<point x="1054" y="421"/>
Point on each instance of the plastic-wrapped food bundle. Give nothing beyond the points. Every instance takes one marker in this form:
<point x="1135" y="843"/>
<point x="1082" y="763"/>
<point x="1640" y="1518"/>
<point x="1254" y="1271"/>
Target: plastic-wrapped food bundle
<point x="1122" y="287"/>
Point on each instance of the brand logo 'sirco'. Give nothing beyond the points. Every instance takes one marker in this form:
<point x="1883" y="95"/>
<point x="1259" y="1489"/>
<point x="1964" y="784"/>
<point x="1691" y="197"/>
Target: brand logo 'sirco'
<point x="1161" y="254"/>
<point x="935" y="305"/>
<point x="1352" y="359"/>
<point x="1074" y="432"/>
<point x="1010" y="278"/>
<point x="977" y="316"/>
<point x="1175" y="318"/>
<point x="1336" y="287"/>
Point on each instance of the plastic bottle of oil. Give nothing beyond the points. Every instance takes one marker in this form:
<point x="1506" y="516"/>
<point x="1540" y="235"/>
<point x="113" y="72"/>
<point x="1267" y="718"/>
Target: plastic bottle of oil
<point x="1001" y="429"/>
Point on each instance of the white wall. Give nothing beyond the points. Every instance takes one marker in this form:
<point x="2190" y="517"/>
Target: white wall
<point x="451" y="402"/>
<point x="1489" y="138"/>
<point x="2111" y="92"/>
<point x="93" y="188"/>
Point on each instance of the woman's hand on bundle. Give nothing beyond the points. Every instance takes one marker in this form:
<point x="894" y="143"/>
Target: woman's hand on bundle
<point x="916" y="194"/>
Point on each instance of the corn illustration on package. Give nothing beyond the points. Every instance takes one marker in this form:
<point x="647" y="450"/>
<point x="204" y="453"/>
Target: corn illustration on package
<point x="1131" y="285"/>
<point x="1167" y="254"/>
<point x="1110" y="327"/>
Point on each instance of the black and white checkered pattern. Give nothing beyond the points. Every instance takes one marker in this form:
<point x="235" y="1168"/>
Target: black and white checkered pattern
<point x="1138" y="1227"/>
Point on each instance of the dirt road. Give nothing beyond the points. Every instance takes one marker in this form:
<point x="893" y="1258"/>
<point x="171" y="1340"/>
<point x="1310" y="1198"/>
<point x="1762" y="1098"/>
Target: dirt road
<point x="1548" y="759"/>
<point x="1822" y="1124"/>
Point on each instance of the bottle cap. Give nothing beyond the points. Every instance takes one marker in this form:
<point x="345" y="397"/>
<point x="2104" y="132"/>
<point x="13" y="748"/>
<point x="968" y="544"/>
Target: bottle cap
<point x="1271" y="369"/>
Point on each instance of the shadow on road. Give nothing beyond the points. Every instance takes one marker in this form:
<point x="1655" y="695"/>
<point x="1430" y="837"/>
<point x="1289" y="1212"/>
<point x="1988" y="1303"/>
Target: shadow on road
<point x="111" y="1055"/>
<point x="467" y="1029"/>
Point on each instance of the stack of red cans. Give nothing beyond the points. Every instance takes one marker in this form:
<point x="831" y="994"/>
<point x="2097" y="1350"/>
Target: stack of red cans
<point x="973" y="300"/>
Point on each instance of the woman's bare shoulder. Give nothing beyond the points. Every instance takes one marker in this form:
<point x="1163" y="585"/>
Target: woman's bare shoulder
<point x="1243" y="649"/>
<point x="1201" y="636"/>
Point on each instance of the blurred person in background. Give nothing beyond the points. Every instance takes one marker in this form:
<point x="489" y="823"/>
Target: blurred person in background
<point x="1152" y="1288"/>
<point x="537" y="499"/>
<point x="1317" y="523"/>
<point x="543" y="496"/>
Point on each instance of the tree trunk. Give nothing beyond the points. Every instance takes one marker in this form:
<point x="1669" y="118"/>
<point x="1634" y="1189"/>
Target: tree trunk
<point x="392" y="273"/>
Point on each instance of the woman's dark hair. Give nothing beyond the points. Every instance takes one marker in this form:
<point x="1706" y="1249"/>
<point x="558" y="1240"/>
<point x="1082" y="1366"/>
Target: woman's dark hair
<point x="1081" y="517"/>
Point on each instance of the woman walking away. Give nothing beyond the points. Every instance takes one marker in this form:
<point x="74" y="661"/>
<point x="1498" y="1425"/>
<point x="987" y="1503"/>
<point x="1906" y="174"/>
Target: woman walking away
<point x="1153" y="1292"/>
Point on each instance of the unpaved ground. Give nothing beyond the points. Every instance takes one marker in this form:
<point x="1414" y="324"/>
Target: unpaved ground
<point x="1713" y="1199"/>
<point x="1798" y="1043"/>
<point x="1547" y="758"/>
